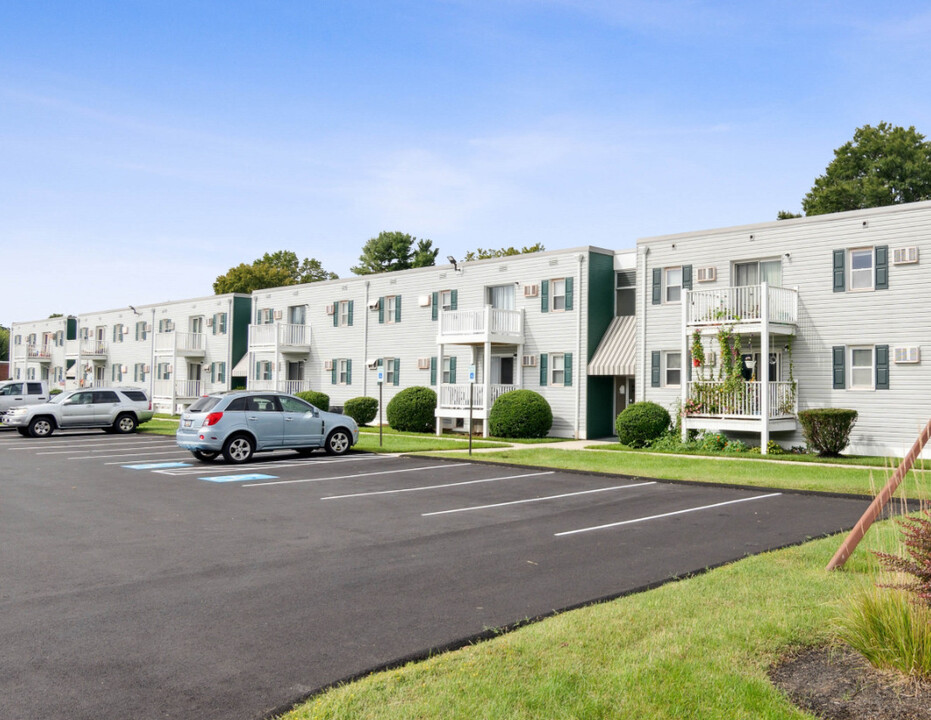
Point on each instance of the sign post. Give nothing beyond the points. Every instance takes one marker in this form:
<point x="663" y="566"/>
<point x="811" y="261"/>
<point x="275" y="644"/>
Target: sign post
<point x="471" y="388"/>
<point x="381" y="379"/>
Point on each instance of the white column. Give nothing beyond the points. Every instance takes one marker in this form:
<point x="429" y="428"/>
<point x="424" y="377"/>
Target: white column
<point x="684" y="357"/>
<point x="439" y="383"/>
<point x="764" y="370"/>
<point x="486" y="381"/>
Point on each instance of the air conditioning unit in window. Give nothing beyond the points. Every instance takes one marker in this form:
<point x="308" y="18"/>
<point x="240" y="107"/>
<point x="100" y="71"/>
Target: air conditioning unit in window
<point x="330" y="309"/>
<point x="424" y="300"/>
<point x="148" y="327"/>
<point x="327" y="364"/>
<point x="531" y="290"/>
<point x="905" y="256"/>
<point x="210" y="322"/>
<point x="372" y="363"/>
<point x="373" y="304"/>
<point x="907" y="355"/>
<point x="707" y="274"/>
<point x="145" y="369"/>
<point x="278" y="314"/>
<point x="124" y="368"/>
<point x="529" y="361"/>
<point x="423" y="363"/>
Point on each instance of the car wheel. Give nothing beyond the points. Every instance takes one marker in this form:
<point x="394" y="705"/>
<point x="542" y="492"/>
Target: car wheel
<point x="41" y="427"/>
<point x="238" y="449"/>
<point x="205" y="455"/>
<point x="23" y="431"/>
<point x="338" y="442"/>
<point x="125" y="423"/>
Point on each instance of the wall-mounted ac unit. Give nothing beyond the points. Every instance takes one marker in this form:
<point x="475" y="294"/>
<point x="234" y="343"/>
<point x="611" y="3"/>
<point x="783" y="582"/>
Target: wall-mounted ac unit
<point x="148" y="327"/>
<point x="145" y="369"/>
<point x="529" y="361"/>
<point x="424" y="300"/>
<point x="707" y="274"/>
<point x="327" y="364"/>
<point x="372" y="363"/>
<point x="373" y="304"/>
<point x="531" y="290"/>
<point x="279" y="314"/>
<point x="210" y="322"/>
<point x="330" y="309"/>
<point x="423" y="363"/>
<point x="171" y="368"/>
<point x="905" y="255"/>
<point x="907" y="355"/>
<point x="124" y="368"/>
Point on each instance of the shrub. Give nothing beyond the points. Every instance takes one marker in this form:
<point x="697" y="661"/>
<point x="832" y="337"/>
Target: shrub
<point x="317" y="399"/>
<point x="735" y="446"/>
<point x="669" y="441"/>
<point x="520" y="414"/>
<point x="55" y="391"/>
<point x="713" y="442"/>
<point x="917" y="563"/>
<point x="641" y="423"/>
<point x="413" y="410"/>
<point x="361" y="409"/>
<point x="827" y="430"/>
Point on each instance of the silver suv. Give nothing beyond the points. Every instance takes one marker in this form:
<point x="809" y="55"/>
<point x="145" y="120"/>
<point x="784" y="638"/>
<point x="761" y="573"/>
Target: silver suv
<point x="243" y="422"/>
<point x="119" y="410"/>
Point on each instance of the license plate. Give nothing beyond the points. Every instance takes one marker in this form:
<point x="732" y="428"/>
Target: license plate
<point x="188" y="423"/>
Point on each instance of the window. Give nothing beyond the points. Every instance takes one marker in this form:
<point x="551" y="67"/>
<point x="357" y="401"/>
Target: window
<point x="139" y="372"/>
<point x="293" y="405"/>
<point x="861" y="269"/>
<point x="196" y="325"/>
<point x="443" y="300"/>
<point x="30" y="373"/>
<point x="861" y="368"/>
<point x="60" y="338"/>
<point x="391" y="371"/>
<point x="18" y="340"/>
<point x="557" y="369"/>
<point x="449" y="371"/>
<point x="140" y="330"/>
<point x="558" y="294"/>
<point x="446" y="299"/>
<point x="116" y="373"/>
<point x="673" y="369"/>
<point x="344" y="376"/>
<point x="344" y="313"/>
<point x="219" y="324"/>
<point x="501" y="297"/>
<point x="758" y="271"/>
<point x="31" y="340"/>
<point x="163" y="371"/>
<point x="263" y="370"/>
<point x="118" y="333"/>
<point x="165" y="325"/>
<point x="389" y="310"/>
<point x="297" y="315"/>
<point x="218" y="372"/>
<point x="672" y="285"/>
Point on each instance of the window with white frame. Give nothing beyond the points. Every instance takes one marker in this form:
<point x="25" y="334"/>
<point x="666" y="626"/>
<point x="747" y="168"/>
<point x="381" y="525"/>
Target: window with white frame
<point x="342" y="375"/>
<point x="391" y="369"/>
<point x="265" y="316"/>
<point x="263" y="370"/>
<point x="862" y="368"/>
<point x="17" y="339"/>
<point x="31" y="340"/>
<point x="673" y="369"/>
<point x="163" y="371"/>
<point x="140" y="330"/>
<point x="447" y="369"/>
<point x="219" y="324"/>
<point x="557" y="369"/>
<point x="672" y="284"/>
<point x="30" y="373"/>
<point x="344" y="316"/>
<point x="139" y="372"/>
<point x="391" y="309"/>
<point x="446" y="299"/>
<point x="861" y="269"/>
<point x="165" y="325"/>
<point x="116" y="373"/>
<point x="558" y="294"/>
<point x="118" y="332"/>
<point x="218" y="372"/>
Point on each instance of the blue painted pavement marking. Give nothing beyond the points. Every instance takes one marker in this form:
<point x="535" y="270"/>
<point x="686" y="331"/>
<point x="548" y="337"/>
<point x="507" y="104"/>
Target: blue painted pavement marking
<point x="238" y="478"/>
<point x="157" y="466"/>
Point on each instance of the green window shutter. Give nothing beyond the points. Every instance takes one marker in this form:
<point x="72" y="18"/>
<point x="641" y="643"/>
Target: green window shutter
<point x="381" y="310"/>
<point x="567" y="366"/>
<point x="349" y="319"/>
<point x="545" y="296"/>
<point x="840" y="372"/>
<point x="397" y="371"/>
<point x="882" y="367"/>
<point x="655" y="361"/>
<point x="686" y="277"/>
<point x="840" y="262"/>
<point x="452" y="369"/>
<point x="213" y="327"/>
<point x="336" y="314"/>
<point x="213" y="369"/>
<point x="335" y="373"/>
<point x="397" y="308"/>
<point x="657" y="286"/>
<point x="882" y="268"/>
<point x="543" y="363"/>
<point x="435" y="311"/>
<point x="569" y="293"/>
<point x="349" y="372"/>
<point x="433" y="367"/>
<point x="453" y="299"/>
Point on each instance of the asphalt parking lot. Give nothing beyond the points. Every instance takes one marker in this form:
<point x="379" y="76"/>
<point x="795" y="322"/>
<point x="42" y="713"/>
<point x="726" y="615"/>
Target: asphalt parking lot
<point x="136" y="582"/>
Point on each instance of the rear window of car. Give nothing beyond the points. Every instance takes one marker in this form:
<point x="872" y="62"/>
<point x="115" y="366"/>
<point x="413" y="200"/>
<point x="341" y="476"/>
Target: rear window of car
<point x="136" y="395"/>
<point x="204" y="404"/>
<point x="105" y="396"/>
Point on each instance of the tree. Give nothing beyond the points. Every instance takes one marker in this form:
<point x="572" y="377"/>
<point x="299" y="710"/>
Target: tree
<point x="882" y="165"/>
<point x="786" y="215"/>
<point x="392" y="251"/>
<point x="271" y="270"/>
<point x="4" y="344"/>
<point x="483" y="254"/>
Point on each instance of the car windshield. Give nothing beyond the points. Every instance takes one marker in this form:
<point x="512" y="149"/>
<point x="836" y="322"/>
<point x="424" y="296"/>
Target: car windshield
<point x="58" y="397"/>
<point x="204" y="404"/>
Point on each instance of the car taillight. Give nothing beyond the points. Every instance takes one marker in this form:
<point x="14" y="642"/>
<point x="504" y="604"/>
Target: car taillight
<point x="150" y="404"/>
<point x="212" y="419"/>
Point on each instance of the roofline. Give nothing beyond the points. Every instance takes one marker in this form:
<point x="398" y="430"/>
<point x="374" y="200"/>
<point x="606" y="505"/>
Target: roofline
<point x="150" y="306"/>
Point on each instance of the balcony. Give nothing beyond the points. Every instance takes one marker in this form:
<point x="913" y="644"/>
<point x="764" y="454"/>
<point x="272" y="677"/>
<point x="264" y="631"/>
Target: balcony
<point x="42" y="353"/>
<point x="182" y="344"/>
<point x="743" y="308"/>
<point x="711" y="405"/>
<point x="93" y="349"/>
<point x="288" y="386"/>
<point x="181" y="389"/>
<point x="453" y="400"/>
<point x="285" y="337"/>
<point x="467" y="327"/>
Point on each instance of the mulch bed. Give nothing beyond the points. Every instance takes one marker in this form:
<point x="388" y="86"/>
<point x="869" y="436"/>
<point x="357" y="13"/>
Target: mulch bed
<point x="837" y="683"/>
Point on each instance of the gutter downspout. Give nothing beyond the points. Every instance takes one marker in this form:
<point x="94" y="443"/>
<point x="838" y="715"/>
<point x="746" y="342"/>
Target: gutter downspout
<point x="365" y="341"/>
<point x="228" y="382"/>
<point x="578" y="353"/>
<point x="641" y="382"/>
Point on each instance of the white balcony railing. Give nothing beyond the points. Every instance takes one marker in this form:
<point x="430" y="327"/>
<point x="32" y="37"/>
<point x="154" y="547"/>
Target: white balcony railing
<point x="288" y="386"/>
<point x="93" y="347"/>
<point x="484" y="322"/>
<point x="178" y="388"/>
<point x="280" y="334"/>
<point x="741" y="304"/>
<point x="711" y="399"/>
<point x="180" y="342"/>
<point x="456" y="397"/>
<point x="41" y="352"/>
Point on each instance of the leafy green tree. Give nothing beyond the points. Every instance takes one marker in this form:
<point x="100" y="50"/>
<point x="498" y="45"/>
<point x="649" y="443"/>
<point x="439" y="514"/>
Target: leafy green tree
<point x="786" y="215"/>
<point x="392" y="251"/>
<point x="882" y="165"/>
<point x="483" y="254"/>
<point x="271" y="270"/>
<point x="4" y="344"/>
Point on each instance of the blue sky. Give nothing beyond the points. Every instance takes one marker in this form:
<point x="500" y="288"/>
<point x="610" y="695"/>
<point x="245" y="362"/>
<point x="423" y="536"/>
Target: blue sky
<point x="146" y="147"/>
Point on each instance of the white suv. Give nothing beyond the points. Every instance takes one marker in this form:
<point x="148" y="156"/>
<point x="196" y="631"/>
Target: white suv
<point x="119" y="410"/>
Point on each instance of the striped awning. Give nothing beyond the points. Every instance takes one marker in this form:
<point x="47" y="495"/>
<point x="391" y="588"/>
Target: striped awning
<point x="241" y="368"/>
<point x="617" y="351"/>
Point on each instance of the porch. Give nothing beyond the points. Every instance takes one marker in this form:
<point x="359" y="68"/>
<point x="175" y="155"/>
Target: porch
<point x="288" y="386"/>
<point x="182" y="344"/>
<point x="453" y="399"/>
<point x="285" y="337"/>
<point x="743" y="308"/>
<point x="484" y="325"/>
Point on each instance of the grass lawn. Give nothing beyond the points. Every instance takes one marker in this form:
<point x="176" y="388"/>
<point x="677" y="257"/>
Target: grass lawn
<point x="698" y="648"/>
<point x="160" y="426"/>
<point x="746" y="471"/>
<point x="463" y="436"/>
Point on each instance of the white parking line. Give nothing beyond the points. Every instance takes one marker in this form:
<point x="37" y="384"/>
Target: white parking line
<point x="306" y="462"/>
<point x="434" y="487"/>
<point x="346" y="477"/>
<point x="664" y="515"/>
<point x="537" y="499"/>
<point x="130" y="454"/>
<point x="33" y="444"/>
<point x="103" y="448"/>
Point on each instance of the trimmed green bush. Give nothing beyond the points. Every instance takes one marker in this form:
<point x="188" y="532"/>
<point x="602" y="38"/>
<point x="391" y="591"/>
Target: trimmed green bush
<point x="413" y="410"/>
<point x="827" y="430"/>
<point x="641" y="423"/>
<point x="319" y="400"/>
<point x="361" y="409"/>
<point x="520" y="414"/>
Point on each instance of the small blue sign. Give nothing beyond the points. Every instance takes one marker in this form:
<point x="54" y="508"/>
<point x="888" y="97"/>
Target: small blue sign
<point x="238" y="478"/>
<point x="157" y="466"/>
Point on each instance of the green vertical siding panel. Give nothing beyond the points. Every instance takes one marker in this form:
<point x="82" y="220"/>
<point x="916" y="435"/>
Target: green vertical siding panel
<point x="839" y="265"/>
<point x="569" y="282"/>
<point x="545" y="296"/>
<point x="882" y="367"/>
<point x="839" y="373"/>
<point x="543" y="359"/>
<point x="882" y="267"/>
<point x="567" y="367"/>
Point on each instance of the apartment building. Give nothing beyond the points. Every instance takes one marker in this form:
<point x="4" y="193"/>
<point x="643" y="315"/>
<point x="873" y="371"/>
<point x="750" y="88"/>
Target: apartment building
<point x="742" y="327"/>
<point x="527" y="321"/>
<point x="44" y="350"/>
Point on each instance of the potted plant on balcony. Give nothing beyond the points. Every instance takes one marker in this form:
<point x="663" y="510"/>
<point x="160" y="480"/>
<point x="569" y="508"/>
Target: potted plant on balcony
<point x="698" y="350"/>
